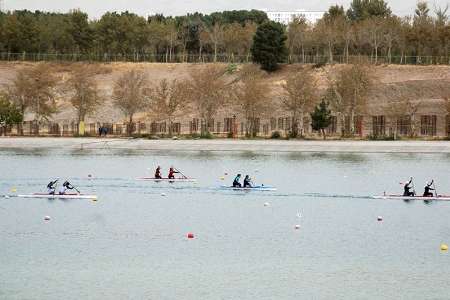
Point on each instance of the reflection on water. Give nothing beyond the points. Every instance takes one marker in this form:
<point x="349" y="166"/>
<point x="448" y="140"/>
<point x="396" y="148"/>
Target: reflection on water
<point x="134" y="237"/>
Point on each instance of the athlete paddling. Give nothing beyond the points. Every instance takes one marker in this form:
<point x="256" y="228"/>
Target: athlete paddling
<point x="236" y="180"/>
<point x="247" y="182"/>
<point x="51" y="187"/>
<point x="428" y="188"/>
<point x="66" y="186"/>
<point x="158" y="173"/>
<point x="172" y="172"/>
<point x="407" y="189"/>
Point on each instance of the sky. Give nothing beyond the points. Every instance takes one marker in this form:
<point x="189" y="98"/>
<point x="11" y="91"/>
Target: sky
<point x="95" y="8"/>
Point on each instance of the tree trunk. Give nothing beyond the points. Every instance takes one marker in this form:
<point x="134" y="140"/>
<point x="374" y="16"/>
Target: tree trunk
<point x="130" y="125"/>
<point x="215" y="52"/>
<point x="324" y="133"/>
<point x="301" y="121"/>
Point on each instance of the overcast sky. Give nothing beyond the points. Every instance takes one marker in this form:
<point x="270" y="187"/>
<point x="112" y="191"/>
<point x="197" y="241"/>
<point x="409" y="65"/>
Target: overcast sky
<point x="96" y="8"/>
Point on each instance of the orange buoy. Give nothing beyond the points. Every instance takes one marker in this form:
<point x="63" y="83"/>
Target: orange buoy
<point x="190" y="235"/>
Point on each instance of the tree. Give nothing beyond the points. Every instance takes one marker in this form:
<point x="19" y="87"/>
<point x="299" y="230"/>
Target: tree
<point x="9" y="113"/>
<point x="83" y="90"/>
<point x="296" y="37"/>
<point x="33" y="90"/>
<point x="208" y="91"/>
<point x="352" y="88"/>
<point x="131" y="94"/>
<point x="299" y="97"/>
<point x="363" y="9"/>
<point x="169" y="98"/>
<point x="321" y="118"/>
<point x="269" y="47"/>
<point x="252" y="96"/>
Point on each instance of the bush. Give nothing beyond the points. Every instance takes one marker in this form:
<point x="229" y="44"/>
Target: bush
<point x="372" y="137"/>
<point x="206" y="135"/>
<point x="319" y="65"/>
<point x="276" y="135"/>
<point x="231" y="68"/>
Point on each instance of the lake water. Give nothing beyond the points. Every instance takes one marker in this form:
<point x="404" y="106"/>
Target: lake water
<point x="132" y="242"/>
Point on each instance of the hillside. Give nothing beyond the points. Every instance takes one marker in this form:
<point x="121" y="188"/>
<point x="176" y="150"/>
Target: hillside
<point x="426" y="83"/>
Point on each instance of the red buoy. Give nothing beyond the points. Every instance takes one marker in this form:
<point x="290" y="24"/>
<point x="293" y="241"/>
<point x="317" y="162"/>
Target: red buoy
<point x="190" y="235"/>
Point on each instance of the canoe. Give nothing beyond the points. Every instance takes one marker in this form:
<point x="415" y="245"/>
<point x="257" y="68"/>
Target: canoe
<point x="261" y="188"/>
<point x="166" y="179"/>
<point x="57" y="196"/>
<point x="401" y="197"/>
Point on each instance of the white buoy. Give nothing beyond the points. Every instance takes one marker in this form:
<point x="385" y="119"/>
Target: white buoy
<point x="163" y="194"/>
<point x="380" y="218"/>
<point x="297" y="226"/>
<point x="47" y="218"/>
<point x="267" y="204"/>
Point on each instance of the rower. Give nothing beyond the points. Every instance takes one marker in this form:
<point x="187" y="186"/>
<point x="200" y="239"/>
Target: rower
<point x="51" y="187"/>
<point x="172" y="171"/>
<point x="236" y="182"/>
<point x="428" y="188"/>
<point x="158" y="173"/>
<point x="66" y="186"/>
<point x="407" y="189"/>
<point x="247" y="182"/>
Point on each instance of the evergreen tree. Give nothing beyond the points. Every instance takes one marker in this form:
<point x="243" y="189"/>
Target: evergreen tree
<point x="269" y="46"/>
<point x="321" y="118"/>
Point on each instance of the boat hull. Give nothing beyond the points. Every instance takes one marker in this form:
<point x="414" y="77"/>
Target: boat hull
<point x="401" y="197"/>
<point x="57" y="196"/>
<point x="260" y="188"/>
<point x="166" y="179"/>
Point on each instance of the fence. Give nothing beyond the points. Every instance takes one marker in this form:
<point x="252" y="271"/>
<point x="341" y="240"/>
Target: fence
<point x="223" y="58"/>
<point x="378" y="126"/>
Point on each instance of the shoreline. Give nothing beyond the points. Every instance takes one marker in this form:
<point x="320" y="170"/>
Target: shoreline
<point x="341" y="146"/>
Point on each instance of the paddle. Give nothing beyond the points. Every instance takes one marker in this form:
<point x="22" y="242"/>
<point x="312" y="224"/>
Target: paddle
<point x="184" y="176"/>
<point x="434" y="187"/>
<point x="76" y="189"/>
<point x="414" y="188"/>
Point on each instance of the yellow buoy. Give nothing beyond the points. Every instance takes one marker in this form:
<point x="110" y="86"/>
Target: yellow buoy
<point x="222" y="178"/>
<point x="444" y="247"/>
<point x="13" y="190"/>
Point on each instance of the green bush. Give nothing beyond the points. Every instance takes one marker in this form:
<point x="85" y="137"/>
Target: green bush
<point x="275" y="135"/>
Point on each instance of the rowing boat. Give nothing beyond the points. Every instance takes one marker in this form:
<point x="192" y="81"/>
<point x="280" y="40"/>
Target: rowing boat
<point x="57" y="196"/>
<point x="166" y="179"/>
<point x="261" y="188"/>
<point x="401" y="197"/>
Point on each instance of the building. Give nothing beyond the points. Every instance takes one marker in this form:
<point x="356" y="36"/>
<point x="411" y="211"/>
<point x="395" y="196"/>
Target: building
<point x="285" y="17"/>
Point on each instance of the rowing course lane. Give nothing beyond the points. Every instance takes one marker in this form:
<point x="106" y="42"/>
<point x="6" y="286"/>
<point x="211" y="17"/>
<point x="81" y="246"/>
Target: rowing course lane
<point x="131" y="243"/>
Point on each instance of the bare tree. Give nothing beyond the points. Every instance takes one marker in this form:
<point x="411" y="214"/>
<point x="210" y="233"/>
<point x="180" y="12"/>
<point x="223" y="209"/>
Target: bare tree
<point x="83" y="90"/>
<point x="131" y="94"/>
<point x="208" y="91"/>
<point x="252" y="96"/>
<point x="299" y="97"/>
<point x="215" y="38"/>
<point x="296" y="37"/>
<point x="169" y="98"/>
<point x="34" y="90"/>
<point x="352" y="87"/>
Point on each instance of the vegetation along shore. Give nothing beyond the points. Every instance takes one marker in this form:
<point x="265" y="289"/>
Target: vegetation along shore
<point x="363" y="73"/>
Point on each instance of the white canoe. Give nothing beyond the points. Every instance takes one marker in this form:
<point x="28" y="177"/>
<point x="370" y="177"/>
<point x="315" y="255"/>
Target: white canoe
<point x="57" y="196"/>
<point x="401" y="197"/>
<point x="166" y="179"/>
<point x="261" y="188"/>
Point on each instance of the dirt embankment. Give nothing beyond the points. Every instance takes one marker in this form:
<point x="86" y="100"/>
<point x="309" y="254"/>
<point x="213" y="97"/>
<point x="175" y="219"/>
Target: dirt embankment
<point x="425" y="83"/>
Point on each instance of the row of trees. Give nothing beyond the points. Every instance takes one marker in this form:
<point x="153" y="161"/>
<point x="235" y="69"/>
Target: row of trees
<point x="227" y="33"/>
<point x="367" y="28"/>
<point x="204" y="93"/>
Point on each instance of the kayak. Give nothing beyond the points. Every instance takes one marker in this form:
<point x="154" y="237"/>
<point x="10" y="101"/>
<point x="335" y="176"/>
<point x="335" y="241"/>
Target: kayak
<point x="261" y="188"/>
<point x="401" y="197"/>
<point x="57" y="196"/>
<point x="166" y="179"/>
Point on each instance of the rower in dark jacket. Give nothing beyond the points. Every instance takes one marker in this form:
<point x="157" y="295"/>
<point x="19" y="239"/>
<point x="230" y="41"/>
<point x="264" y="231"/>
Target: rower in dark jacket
<point x="158" y="173"/>
<point x="407" y="189"/>
<point x="428" y="188"/>
<point x="247" y="182"/>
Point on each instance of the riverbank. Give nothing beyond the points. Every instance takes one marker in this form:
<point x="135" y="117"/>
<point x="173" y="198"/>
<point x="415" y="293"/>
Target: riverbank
<point x="229" y="145"/>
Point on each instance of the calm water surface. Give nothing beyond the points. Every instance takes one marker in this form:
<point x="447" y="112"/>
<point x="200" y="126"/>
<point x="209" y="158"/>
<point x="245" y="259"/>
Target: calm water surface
<point x="132" y="242"/>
